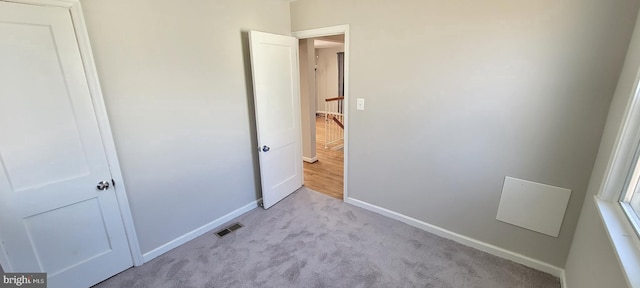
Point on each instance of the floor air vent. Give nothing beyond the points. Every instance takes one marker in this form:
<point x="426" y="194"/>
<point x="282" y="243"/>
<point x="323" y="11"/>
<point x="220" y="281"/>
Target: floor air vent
<point x="229" y="229"/>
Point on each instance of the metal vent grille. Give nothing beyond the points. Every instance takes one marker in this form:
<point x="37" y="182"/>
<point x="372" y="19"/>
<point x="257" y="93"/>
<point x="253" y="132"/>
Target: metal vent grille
<point x="228" y="230"/>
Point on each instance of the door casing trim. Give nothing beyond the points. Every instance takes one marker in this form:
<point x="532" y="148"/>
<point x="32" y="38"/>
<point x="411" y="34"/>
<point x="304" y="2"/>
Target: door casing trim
<point x="328" y="31"/>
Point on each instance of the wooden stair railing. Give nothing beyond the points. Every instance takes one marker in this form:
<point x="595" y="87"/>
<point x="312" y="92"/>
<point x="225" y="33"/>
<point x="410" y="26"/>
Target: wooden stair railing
<point x="338" y="122"/>
<point x="334" y="118"/>
<point x="334" y="128"/>
<point x="334" y="99"/>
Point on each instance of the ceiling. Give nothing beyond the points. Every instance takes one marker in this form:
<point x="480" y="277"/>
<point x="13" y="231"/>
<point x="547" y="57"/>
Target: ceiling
<point x="326" y="44"/>
<point x="329" y="41"/>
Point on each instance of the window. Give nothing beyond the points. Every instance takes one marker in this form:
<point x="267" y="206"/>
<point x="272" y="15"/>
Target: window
<point x="630" y="196"/>
<point x="618" y="199"/>
<point x="635" y="205"/>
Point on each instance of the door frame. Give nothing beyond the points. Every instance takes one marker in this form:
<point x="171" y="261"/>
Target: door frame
<point x="104" y="127"/>
<point x="328" y="31"/>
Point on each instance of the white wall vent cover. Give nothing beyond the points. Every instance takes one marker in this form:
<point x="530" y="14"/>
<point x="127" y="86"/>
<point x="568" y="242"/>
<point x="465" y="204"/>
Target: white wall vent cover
<point x="534" y="206"/>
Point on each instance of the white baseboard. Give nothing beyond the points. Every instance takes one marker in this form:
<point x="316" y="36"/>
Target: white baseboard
<point x="198" y="231"/>
<point x="310" y="160"/>
<point x="563" y="280"/>
<point x="482" y="246"/>
<point x="338" y="147"/>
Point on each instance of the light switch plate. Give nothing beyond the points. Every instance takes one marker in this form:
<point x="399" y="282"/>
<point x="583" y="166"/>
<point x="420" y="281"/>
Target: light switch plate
<point x="360" y="104"/>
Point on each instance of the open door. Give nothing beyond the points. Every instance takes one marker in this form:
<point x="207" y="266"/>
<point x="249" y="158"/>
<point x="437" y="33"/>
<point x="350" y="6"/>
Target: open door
<point x="274" y="63"/>
<point x="58" y="213"/>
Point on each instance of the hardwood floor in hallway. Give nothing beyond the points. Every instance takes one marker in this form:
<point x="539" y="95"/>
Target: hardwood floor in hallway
<point x="326" y="174"/>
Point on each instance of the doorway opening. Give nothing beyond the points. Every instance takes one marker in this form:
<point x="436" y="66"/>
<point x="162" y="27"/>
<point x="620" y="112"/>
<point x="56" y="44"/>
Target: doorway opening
<point x="324" y="70"/>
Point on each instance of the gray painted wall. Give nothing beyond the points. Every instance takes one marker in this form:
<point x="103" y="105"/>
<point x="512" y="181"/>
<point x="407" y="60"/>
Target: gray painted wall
<point x="176" y="81"/>
<point x="327" y="75"/>
<point x="592" y="263"/>
<point x="307" y="97"/>
<point x="461" y="94"/>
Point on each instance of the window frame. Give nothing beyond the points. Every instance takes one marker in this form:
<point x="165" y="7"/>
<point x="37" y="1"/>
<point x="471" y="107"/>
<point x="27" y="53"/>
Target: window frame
<point x="632" y="216"/>
<point x="609" y="201"/>
<point x="632" y="185"/>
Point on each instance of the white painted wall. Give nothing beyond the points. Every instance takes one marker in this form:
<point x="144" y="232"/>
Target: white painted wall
<point x="177" y="85"/>
<point x="327" y="75"/>
<point x="592" y="262"/>
<point x="461" y="94"/>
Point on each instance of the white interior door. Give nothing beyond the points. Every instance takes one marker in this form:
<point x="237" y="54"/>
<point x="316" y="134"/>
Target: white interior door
<point x="53" y="218"/>
<point x="274" y="62"/>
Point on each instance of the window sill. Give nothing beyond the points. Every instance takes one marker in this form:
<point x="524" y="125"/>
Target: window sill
<point x="623" y="238"/>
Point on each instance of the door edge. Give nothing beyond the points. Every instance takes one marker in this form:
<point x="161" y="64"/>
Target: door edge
<point x="99" y="106"/>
